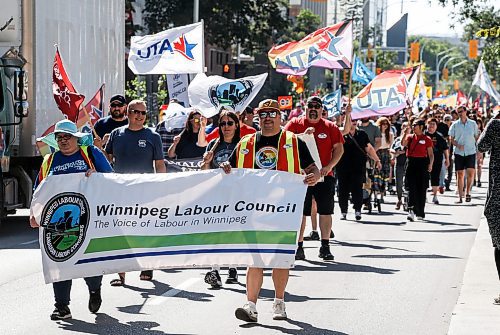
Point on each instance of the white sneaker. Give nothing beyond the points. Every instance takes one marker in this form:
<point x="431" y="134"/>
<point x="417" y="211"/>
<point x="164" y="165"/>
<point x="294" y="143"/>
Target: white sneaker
<point x="343" y="216"/>
<point x="279" y="312"/>
<point x="420" y="218"/>
<point x="247" y="313"/>
<point x="411" y="216"/>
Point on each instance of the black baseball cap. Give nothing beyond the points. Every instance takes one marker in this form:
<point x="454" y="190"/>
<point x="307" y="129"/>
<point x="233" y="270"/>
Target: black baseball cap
<point x="118" y="98"/>
<point x="419" y="123"/>
<point x="315" y="99"/>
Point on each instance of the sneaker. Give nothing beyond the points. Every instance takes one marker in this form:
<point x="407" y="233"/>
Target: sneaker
<point x="247" y="313"/>
<point x="213" y="278"/>
<point x="441" y="189"/>
<point x="313" y="236"/>
<point x="60" y="313"/>
<point x="332" y="234"/>
<point x="324" y="252"/>
<point x="279" y="312"/>
<point x="95" y="301"/>
<point x="435" y="200"/>
<point x="459" y="201"/>
<point x="232" y="277"/>
<point x="478" y="184"/>
<point x="420" y="218"/>
<point x="299" y="254"/>
<point x="411" y="216"/>
<point x="357" y="216"/>
<point x="343" y="216"/>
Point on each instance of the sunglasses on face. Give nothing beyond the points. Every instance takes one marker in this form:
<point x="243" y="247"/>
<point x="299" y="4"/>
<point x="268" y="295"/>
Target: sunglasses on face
<point x="265" y="114"/>
<point x="314" y="106"/>
<point x="65" y="137"/>
<point x="228" y="123"/>
<point x="137" y="112"/>
<point x="117" y="105"/>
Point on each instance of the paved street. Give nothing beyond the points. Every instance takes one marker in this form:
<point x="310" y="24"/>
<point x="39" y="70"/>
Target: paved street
<point x="388" y="277"/>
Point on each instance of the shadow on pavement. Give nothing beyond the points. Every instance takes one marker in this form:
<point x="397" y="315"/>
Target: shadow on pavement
<point x="305" y="328"/>
<point x="431" y="256"/>
<point x="159" y="289"/>
<point x="341" y="267"/>
<point x="383" y="223"/>
<point x="105" y="324"/>
<point x="369" y="246"/>
<point x="465" y="230"/>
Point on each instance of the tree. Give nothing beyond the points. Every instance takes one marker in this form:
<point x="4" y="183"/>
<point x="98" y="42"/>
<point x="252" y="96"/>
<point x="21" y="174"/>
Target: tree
<point x="251" y="23"/>
<point x="305" y="23"/>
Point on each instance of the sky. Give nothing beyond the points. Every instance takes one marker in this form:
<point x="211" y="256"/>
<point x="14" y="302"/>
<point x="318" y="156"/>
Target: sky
<point x="427" y="18"/>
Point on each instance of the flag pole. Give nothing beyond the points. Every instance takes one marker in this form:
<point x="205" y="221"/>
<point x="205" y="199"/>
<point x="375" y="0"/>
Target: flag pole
<point x="89" y="120"/>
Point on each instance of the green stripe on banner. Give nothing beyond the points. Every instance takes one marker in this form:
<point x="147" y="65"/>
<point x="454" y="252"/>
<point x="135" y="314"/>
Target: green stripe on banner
<point x="228" y="237"/>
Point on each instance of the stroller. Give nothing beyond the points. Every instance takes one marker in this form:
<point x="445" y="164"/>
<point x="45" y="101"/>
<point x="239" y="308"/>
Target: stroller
<point x="369" y="192"/>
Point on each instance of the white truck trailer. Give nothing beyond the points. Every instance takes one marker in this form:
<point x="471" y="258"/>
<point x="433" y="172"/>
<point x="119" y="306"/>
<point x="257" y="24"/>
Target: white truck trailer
<point x="91" y="39"/>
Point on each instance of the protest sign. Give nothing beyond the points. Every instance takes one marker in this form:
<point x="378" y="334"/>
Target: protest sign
<point x="181" y="165"/>
<point x="177" y="85"/>
<point x="109" y="223"/>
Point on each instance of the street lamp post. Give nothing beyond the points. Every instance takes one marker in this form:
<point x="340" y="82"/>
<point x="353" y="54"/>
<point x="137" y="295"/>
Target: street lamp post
<point x="438" y="62"/>
<point x="458" y="64"/>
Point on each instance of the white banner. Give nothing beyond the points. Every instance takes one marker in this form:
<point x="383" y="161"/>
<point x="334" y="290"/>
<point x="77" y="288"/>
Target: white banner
<point x="208" y="93"/>
<point x="177" y="85"/>
<point x="173" y="51"/>
<point x="110" y="223"/>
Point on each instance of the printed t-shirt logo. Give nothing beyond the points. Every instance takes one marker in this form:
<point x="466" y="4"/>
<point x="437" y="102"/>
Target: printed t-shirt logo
<point x="65" y="219"/>
<point x="266" y="158"/>
<point x="322" y="136"/>
<point x="141" y="143"/>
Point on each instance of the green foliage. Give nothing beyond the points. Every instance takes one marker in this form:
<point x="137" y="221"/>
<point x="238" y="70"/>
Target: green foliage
<point x="136" y="89"/>
<point x="305" y="23"/>
<point x="252" y="23"/>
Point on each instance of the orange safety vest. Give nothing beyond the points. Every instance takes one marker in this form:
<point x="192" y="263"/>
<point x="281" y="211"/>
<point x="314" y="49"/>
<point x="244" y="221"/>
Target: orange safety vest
<point x="288" y="152"/>
<point x="47" y="162"/>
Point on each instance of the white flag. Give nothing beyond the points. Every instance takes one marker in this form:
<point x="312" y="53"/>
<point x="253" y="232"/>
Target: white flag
<point x="177" y="85"/>
<point x="208" y="93"/>
<point x="482" y="79"/>
<point x="173" y="51"/>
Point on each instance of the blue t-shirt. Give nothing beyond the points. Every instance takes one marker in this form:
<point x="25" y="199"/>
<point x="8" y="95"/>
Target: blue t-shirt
<point x="464" y="134"/>
<point x="75" y="163"/>
<point x="134" y="151"/>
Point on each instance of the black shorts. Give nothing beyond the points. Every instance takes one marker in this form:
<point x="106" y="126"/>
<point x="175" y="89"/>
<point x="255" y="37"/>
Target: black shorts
<point x="465" y="162"/>
<point x="323" y="194"/>
<point x="435" y="174"/>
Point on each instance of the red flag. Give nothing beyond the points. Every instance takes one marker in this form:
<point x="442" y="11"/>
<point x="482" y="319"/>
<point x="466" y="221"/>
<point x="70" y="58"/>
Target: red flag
<point x="94" y="108"/>
<point x="475" y="104"/>
<point x="67" y="98"/>
<point x="461" y="99"/>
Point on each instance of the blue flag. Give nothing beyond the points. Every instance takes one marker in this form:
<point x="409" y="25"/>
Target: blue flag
<point x="361" y="73"/>
<point x="332" y="103"/>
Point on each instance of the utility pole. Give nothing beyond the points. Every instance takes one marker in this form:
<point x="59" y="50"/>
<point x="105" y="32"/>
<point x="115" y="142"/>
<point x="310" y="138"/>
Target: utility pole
<point x="196" y="11"/>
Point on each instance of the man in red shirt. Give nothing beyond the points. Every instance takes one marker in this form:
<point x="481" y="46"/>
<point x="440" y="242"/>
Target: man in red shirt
<point x="419" y="164"/>
<point x="330" y="145"/>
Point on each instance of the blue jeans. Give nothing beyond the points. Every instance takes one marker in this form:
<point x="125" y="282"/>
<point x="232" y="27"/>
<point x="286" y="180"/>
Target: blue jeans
<point x="62" y="289"/>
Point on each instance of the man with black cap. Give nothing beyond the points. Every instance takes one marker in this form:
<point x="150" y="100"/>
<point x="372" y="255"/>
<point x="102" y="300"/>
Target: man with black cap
<point x="117" y="116"/>
<point x="270" y="148"/>
<point x="330" y="143"/>
<point x="420" y="158"/>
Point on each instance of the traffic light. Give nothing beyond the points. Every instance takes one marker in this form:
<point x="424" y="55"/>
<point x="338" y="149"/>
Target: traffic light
<point x="456" y="84"/>
<point x="473" y="49"/>
<point x="378" y="70"/>
<point x="445" y="73"/>
<point x="226" y="68"/>
<point x="414" y="51"/>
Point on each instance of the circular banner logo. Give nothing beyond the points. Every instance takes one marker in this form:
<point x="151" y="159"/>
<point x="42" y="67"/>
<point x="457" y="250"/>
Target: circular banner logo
<point x="65" y="219"/>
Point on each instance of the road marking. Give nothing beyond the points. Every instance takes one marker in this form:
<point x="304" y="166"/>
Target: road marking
<point x="29" y="242"/>
<point x="172" y="292"/>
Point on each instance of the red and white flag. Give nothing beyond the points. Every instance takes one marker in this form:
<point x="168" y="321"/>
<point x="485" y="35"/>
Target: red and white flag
<point x="93" y="108"/>
<point x="461" y="99"/>
<point x="68" y="100"/>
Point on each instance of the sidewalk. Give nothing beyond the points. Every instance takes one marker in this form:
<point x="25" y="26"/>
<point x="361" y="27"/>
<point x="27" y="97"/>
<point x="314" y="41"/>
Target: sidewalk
<point x="475" y="312"/>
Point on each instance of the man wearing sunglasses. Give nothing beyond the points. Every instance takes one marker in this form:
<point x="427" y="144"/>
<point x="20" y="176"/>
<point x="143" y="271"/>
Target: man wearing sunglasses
<point x="273" y="149"/>
<point x="330" y="143"/>
<point x="135" y="149"/>
<point x="116" y="118"/>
